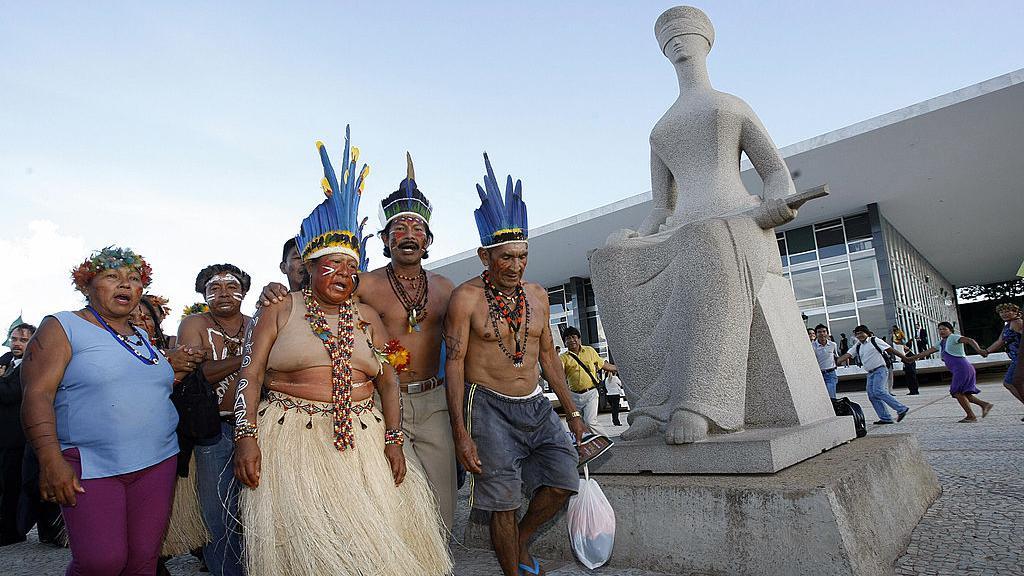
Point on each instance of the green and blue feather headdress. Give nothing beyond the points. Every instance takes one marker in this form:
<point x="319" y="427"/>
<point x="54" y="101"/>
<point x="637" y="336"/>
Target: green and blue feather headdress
<point x="407" y="201"/>
<point x="333" y="227"/>
<point x="500" y="220"/>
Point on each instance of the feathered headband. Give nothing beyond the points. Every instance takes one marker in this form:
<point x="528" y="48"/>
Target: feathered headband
<point x="407" y="200"/>
<point x="109" y="258"/>
<point x="333" y="227"/>
<point x="500" y="221"/>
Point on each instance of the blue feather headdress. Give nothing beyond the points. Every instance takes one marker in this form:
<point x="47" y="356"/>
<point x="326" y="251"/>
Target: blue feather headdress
<point x="407" y="200"/>
<point x="333" y="227"/>
<point x="500" y="221"/>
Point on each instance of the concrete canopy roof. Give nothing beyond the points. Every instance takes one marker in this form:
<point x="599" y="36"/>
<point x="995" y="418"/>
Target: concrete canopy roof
<point x="948" y="173"/>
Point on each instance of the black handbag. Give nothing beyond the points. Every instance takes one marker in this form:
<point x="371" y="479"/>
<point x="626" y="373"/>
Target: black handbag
<point x="198" y="412"/>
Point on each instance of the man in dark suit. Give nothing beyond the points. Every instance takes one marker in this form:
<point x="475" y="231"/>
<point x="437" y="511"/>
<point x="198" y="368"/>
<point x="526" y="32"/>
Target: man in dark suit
<point x="12" y="439"/>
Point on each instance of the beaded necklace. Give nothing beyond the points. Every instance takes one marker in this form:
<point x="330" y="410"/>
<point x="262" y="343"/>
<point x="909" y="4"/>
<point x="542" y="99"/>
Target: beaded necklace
<point x="513" y="310"/>
<point x="415" y="307"/>
<point x="123" y="340"/>
<point x="339" y="348"/>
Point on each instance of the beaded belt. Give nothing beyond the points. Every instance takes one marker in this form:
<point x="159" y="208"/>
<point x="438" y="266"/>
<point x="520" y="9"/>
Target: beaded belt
<point x="319" y="408"/>
<point x="422" y="385"/>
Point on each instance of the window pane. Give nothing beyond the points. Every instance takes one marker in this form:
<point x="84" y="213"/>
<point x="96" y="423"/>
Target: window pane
<point x="874" y="318"/>
<point x="800" y="240"/>
<point x="588" y="294"/>
<point x="807" y="284"/>
<point x="844" y="326"/>
<point x="782" y="252"/>
<point x="557" y="300"/>
<point x="865" y="278"/>
<point x="815" y="319"/>
<point x="857" y="227"/>
<point x="838" y="287"/>
<point x="831" y="242"/>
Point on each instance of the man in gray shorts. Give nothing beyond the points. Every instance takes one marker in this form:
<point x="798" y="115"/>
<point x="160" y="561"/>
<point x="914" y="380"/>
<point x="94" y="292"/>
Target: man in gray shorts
<point x="506" y="433"/>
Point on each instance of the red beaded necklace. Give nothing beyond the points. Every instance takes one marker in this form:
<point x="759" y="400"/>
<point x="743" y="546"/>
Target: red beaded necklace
<point x="513" y="310"/>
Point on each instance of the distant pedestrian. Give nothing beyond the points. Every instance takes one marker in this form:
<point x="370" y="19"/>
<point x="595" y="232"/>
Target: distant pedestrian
<point x="12" y="439"/>
<point x="910" y="372"/>
<point x="897" y="336"/>
<point x="844" y="344"/>
<point x="964" y="385"/>
<point x="1010" y="338"/>
<point x="922" y="339"/>
<point x="825" y="351"/>
<point x="581" y="365"/>
<point x="874" y="355"/>
<point x="613" y="394"/>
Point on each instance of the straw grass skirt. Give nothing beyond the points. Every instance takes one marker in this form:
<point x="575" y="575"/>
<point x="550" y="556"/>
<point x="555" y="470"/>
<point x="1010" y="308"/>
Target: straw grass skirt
<point x="186" y="530"/>
<point x="319" y="511"/>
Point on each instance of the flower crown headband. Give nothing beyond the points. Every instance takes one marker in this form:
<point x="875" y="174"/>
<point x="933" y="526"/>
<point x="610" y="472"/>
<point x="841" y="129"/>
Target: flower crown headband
<point x="109" y="258"/>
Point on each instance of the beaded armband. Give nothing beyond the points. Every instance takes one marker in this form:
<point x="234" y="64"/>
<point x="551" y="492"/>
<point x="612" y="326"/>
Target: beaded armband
<point x="396" y="437"/>
<point x="246" y="430"/>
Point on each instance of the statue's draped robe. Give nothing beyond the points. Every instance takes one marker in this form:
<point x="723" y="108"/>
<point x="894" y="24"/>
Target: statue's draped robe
<point x="683" y="300"/>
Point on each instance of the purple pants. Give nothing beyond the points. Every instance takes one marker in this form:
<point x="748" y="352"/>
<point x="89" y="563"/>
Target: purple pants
<point x="118" y="526"/>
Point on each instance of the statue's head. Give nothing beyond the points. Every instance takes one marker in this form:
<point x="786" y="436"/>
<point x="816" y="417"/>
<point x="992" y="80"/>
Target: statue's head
<point x="684" y="32"/>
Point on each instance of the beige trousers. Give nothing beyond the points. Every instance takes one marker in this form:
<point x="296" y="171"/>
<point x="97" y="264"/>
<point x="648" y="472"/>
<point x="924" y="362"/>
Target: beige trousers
<point x="428" y="435"/>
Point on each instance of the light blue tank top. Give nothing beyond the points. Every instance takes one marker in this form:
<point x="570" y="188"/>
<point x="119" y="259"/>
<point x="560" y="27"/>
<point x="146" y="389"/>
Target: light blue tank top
<point x="111" y="406"/>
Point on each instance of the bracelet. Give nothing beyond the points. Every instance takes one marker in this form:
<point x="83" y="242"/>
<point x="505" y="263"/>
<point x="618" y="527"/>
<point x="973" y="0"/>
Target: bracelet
<point x="574" y="414"/>
<point x="246" y="430"/>
<point x="394" y="437"/>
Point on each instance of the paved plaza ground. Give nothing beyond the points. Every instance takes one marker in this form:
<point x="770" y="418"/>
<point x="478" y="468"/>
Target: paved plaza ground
<point x="974" y="528"/>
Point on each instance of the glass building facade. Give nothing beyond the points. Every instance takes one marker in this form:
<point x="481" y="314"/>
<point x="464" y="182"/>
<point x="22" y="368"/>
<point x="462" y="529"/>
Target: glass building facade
<point x="857" y="269"/>
<point x="834" y="272"/>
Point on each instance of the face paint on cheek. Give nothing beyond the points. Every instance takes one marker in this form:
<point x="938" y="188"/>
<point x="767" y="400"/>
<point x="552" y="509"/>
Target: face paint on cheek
<point x="326" y="270"/>
<point x="210" y="298"/>
<point x="237" y="296"/>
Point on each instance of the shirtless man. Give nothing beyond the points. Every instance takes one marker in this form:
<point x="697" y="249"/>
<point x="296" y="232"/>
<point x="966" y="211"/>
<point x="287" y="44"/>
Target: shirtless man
<point x="412" y="304"/>
<point x="496" y="332"/>
<point x="219" y="333"/>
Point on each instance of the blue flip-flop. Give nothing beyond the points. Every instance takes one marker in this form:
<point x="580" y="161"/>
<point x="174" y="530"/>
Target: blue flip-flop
<point x="524" y="569"/>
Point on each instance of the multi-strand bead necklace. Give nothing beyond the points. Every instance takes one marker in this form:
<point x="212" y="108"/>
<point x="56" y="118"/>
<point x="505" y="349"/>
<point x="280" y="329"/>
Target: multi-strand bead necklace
<point x="514" y="310"/>
<point x="339" y="347"/>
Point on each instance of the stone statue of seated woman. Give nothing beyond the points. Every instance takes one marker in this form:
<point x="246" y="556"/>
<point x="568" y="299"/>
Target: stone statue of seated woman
<point x="697" y="313"/>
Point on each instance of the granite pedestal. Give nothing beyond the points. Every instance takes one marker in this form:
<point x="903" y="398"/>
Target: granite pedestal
<point x="847" y="512"/>
<point x="752" y="451"/>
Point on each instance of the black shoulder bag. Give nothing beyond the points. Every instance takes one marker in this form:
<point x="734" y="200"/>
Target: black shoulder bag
<point x="597" y="383"/>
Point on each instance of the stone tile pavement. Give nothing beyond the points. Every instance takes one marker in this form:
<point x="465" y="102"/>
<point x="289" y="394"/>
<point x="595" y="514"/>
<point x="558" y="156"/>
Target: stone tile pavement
<point x="975" y="528"/>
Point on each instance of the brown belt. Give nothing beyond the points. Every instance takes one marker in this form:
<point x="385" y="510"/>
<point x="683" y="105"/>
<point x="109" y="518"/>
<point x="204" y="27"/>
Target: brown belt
<point x="421" y="386"/>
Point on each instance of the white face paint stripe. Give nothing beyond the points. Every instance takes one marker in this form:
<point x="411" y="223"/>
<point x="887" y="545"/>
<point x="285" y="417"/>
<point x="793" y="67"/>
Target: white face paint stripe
<point x="225" y="277"/>
<point x="237" y="296"/>
<point x="328" y="270"/>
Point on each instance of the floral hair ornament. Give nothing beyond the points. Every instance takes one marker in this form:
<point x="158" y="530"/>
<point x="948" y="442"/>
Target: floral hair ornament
<point x="197" y="308"/>
<point x="161" y="304"/>
<point x="333" y="227"/>
<point x="500" y="220"/>
<point x="394" y="354"/>
<point x="109" y="258"/>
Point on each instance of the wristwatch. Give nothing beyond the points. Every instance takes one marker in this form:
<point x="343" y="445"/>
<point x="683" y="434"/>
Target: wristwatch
<point x="574" y="414"/>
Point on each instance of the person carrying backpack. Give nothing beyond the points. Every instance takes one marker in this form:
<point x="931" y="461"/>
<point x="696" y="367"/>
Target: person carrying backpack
<point x="875" y="355"/>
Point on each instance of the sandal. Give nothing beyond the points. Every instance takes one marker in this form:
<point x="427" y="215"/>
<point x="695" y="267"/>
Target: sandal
<point x="966" y="420"/>
<point x="985" y="410"/>
<point x="532" y="570"/>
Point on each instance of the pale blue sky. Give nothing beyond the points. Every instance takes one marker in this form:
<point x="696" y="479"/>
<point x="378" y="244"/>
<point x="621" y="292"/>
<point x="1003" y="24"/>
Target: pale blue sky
<point x="186" y="130"/>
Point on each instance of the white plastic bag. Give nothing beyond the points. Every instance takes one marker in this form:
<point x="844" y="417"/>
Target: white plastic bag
<point x="591" y="523"/>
